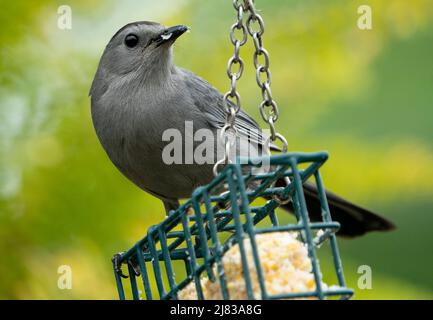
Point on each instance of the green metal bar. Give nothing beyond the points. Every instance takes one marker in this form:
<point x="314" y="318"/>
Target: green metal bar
<point x="337" y="292"/>
<point x="197" y="195"/>
<point x="250" y="230"/>
<point x="239" y="235"/>
<point x="218" y="250"/>
<point x="299" y="195"/>
<point x="285" y="159"/>
<point x="133" y="280"/>
<point x="220" y="214"/>
<point x="144" y="275"/>
<point x="325" y="236"/>
<point x="152" y="232"/>
<point x="167" y="259"/>
<point x="326" y="215"/>
<point x="187" y="266"/>
<point x="298" y="227"/>
<point x="178" y="254"/>
<point x="192" y="258"/>
<point x="120" y="290"/>
<point x="273" y="217"/>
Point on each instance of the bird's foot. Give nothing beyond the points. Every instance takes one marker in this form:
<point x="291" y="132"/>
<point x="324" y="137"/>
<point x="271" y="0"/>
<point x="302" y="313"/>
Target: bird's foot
<point x="135" y="266"/>
<point x="282" y="200"/>
<point x="117" y="264"/>
<point x="190" y="211"/>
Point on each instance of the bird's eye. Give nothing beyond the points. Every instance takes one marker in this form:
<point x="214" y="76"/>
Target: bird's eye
<point x="131" y="40"/>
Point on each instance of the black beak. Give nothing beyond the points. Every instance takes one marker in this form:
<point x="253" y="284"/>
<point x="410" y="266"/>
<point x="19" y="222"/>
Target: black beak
<point x="171" y="34"/>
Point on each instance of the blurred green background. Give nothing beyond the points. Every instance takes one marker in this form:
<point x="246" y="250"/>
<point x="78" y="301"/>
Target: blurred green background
<point x="365" y="96"/>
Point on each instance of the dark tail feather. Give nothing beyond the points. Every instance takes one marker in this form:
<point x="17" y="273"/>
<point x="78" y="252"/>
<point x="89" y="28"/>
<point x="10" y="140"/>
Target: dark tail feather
<point x="355" y="221"/>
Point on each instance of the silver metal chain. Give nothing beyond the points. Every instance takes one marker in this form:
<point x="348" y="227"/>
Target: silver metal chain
<point x="255" y="27"/>
<point x="232" y="109"/>
<point x="268" y="107"/>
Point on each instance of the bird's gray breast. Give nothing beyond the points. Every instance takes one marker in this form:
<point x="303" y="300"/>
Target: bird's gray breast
<point x="130" y="127"/>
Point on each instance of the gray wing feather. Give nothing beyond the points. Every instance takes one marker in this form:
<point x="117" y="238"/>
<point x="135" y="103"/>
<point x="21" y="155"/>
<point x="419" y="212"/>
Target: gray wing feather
<point x="210" y="102"/>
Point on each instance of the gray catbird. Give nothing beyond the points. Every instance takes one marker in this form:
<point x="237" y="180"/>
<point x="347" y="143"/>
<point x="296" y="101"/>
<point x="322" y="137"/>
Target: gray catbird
<point x="138" y="93"/>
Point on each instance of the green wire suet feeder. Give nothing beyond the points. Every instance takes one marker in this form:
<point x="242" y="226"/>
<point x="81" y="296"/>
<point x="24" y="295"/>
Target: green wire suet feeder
<point x="197" y="241"/>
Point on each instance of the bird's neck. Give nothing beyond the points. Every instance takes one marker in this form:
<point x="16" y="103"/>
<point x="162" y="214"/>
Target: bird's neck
<point x="159" y="71"/>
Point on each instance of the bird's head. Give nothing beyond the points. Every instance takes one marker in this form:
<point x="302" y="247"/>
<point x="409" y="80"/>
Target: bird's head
<point x="140" y="48"/>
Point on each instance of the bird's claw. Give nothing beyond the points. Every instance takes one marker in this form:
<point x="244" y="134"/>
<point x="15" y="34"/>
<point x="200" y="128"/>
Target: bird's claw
<point x="117" y="265"/>
<point x="135" y="266"/>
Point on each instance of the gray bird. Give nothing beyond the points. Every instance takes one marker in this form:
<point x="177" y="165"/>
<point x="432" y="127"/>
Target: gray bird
<point x="138" y="93"/>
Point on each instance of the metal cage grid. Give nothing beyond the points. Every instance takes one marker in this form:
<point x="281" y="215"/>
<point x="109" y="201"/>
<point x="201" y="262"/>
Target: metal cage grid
<point x="198" y="244"/>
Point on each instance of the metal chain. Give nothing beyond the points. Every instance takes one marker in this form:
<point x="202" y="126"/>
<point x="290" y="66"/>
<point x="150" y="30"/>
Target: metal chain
<point x="268" y="107"/>
<point x="232" y="99"/>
